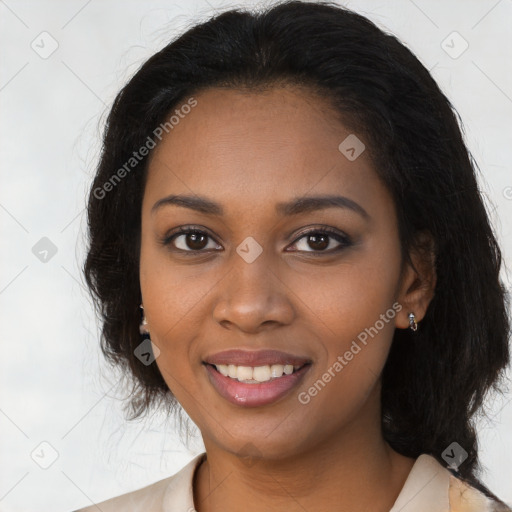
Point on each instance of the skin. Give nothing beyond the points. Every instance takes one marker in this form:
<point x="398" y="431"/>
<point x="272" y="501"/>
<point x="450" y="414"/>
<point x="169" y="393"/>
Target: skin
<point x="249" y="151"/>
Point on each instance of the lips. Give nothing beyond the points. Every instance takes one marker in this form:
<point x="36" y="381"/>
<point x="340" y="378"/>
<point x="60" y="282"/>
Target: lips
<point x="250" y="393"/>
<point x="256" y="358"/>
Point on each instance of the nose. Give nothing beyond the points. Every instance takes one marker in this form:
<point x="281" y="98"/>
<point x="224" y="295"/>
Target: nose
<point x="253" y="297"/>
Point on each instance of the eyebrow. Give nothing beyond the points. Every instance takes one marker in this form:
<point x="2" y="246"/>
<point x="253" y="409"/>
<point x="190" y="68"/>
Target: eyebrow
<point x="296" y="206"/>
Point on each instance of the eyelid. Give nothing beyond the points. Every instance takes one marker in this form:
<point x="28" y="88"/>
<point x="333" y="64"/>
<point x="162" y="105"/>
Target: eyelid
<point x="172" y="234"/>
<point x="341" y="238"/>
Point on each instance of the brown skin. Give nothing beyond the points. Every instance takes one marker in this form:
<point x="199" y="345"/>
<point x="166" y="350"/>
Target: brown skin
<point x="249" y="151"/>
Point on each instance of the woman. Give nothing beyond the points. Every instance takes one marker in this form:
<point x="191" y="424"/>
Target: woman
<point x="285" y="204"/>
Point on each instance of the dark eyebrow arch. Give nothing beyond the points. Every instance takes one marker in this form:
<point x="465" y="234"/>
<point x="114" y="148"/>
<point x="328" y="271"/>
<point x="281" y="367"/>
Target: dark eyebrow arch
<point x="312" y="203"/>
<point x="296" y="206"/>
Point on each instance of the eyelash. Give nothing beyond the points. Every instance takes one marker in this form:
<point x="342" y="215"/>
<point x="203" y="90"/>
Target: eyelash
<point x="343" y="239"/>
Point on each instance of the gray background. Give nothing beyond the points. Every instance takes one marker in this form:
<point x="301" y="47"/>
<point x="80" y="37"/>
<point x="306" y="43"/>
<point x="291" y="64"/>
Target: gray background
<point x="54" y="385"/>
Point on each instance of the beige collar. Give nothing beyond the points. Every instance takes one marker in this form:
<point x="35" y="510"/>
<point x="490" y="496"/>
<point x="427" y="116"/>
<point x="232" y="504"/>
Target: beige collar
<point x="426" y="488"/>
<point x="179" y="494"/>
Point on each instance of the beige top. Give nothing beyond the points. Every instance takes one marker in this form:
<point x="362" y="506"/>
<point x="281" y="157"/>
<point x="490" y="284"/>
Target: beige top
<point x="429" y="487"/>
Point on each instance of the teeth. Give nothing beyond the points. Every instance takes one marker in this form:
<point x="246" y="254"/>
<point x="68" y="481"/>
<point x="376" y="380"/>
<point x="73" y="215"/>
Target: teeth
<point x="232" y="371"/>
<point x="244" y="373"/>
<point x="276" y="370"/>
<point x="224" y="369"/>
<point x="255" y="374"/>
<point x="261" y="373"/>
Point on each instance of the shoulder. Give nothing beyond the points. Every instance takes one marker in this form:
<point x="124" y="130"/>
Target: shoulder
<point x="434" y="487"/>
<point x="466" y="498"/>
<point x="175" y="490"/>
<point x="149" y="499"/>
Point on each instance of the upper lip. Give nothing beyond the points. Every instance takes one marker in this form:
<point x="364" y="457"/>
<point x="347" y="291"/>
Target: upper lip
<point x="255" y="358"/>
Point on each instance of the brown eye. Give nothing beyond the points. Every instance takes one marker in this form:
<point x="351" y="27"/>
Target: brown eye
<point x="196" y="241"/>
<point x="189" y="240"/>
<point x="319" y="240"/>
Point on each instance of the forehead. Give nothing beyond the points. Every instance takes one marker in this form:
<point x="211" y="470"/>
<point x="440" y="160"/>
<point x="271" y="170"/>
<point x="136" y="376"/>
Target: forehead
<point x="279" y="143"/>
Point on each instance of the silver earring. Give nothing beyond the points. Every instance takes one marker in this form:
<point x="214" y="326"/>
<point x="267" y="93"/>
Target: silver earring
<point x="413" y="325"/>
<point x="143" y="325"/>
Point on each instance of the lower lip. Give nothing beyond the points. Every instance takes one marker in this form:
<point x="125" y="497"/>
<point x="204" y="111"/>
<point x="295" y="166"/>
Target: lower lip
<point x="254" y="395"/>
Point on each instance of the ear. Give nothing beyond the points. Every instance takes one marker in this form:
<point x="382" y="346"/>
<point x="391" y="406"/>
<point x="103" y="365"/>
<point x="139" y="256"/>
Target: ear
<point x="418" y="281"/>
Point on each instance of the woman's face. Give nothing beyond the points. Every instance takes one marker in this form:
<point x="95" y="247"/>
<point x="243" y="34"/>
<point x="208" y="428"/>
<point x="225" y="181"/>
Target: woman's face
<point x="255" y="281"/>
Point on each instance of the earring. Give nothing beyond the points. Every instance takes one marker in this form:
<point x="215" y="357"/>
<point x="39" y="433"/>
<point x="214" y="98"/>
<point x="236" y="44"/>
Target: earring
<point x="143" y="325"/>
<point x="413" y="325"/>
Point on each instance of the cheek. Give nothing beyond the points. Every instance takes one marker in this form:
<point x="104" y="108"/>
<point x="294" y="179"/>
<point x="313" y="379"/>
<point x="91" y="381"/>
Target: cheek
<point x="175" y="300"/>
<point x="356" y="342"/>
<point x="170" y="291"/>
<point x="353" y="313"/>
<point x="352" y="298"/>
<point x="355" y="327"/>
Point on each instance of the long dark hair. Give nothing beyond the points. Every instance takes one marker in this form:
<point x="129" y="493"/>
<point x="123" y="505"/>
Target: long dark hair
<point x="434" y="380"/>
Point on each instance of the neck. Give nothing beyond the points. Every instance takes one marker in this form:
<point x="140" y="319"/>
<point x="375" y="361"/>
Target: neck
<point x="355" y="469"/>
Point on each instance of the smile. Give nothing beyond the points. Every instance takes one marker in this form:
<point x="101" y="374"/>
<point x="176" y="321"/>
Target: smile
<point x="255" y="386"/>
<point x="256" y="374"/>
